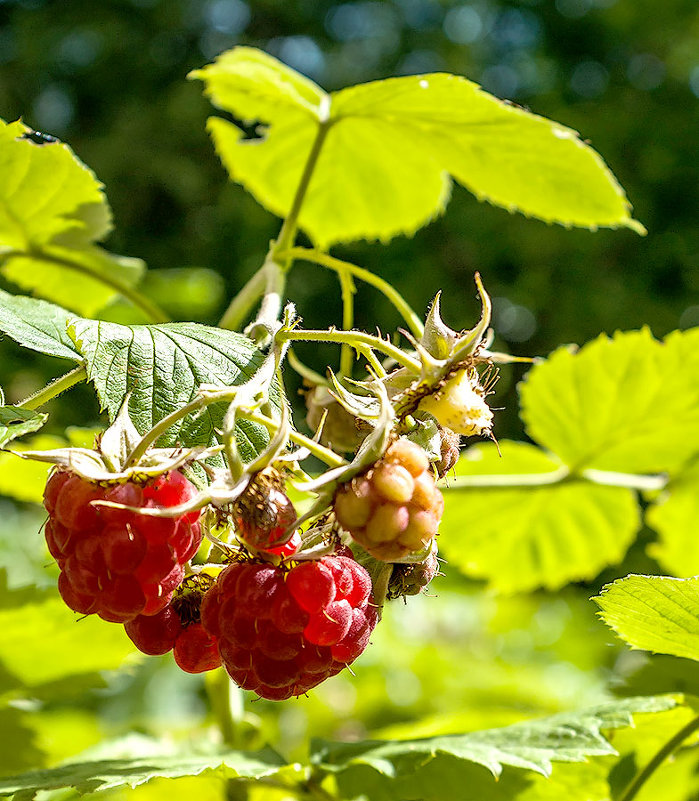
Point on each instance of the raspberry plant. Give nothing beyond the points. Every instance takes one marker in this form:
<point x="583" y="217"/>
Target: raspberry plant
<point x="204" y="522"/>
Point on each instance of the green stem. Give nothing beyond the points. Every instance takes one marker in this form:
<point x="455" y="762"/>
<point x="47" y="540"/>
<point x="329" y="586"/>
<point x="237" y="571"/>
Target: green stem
<point x="270" y="280"/>
<point x="243" y="302"/>
<point x="511" y="480"/>
<point x="411" y="319"/>
<point x="227" y="706"/>
<point x="324" y="454"/>
<point x="353" y="338"/>
<point x="58" y="385"/>
<point x="663" y="753"/>
<point x="348" y="290"/>
<point x="154" y="313"/>
<point x="611" y="478"/>
<point x="228" y="394"/>
<point x="607" y="478"/>
<point x="290" y="225"/>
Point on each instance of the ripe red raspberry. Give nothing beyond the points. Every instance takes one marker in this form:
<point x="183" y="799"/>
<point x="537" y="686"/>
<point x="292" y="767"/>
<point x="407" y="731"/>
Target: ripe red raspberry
<point x="282" y="632"/>
<point x="178" y="628"/>
<point x="394" y="509"/>
<point x="264" y="515"/>
<point x="117" y="563"/>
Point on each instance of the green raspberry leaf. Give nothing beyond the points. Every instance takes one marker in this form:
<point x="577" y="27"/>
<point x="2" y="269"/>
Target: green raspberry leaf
<point x="134" y="760"/>
<point x="532" y="745"/>
<point x="37" y="325"/>
<point x="162" y="366"/>
<point x="52" y="211"/>
<point x="627" y="403"/>
<point x="16" y="422"/>
<point x="674" y="516"/>
<point x="391" y="146"/>
<point x="553" y="533"/>
<point x="654" y="613"/>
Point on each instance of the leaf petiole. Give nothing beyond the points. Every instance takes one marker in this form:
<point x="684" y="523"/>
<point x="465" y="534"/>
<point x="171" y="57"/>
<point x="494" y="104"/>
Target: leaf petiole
<point x="662" y="754"/>
<point x="356" y="339"/>
<point x="56" y="387"/>
<point x="411" y="319"/>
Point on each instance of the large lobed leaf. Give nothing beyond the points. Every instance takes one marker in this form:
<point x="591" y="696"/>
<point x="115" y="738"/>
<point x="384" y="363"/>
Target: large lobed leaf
<point x="654" y="613"/>
<point x="552" y="534"/>
<point x="627" y="403"/>
<point x="52" y="211"/>
<point x="136" y="760"/>
<point x="531" y="745"/>
<point x="162" y="367"/>
<point x="390" y="147"/>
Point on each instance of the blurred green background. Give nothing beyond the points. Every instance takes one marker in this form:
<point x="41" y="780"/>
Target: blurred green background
<point x="108" y="77"/>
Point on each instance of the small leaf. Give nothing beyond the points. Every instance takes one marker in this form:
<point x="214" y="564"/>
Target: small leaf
<point x="52" y="211"/>
<point x="162" y="366"/>
<point x="674" y="516"/>
<point x="628" y="403"/>
<point x="552" y="534"/>
<point x="654" y="613"/>
<point x="137" y="760"/>
<point x="402" y="138"/>
<point x="532" y="745"/>
<point x="37" y="325"/>
<point x="16" y="422"/>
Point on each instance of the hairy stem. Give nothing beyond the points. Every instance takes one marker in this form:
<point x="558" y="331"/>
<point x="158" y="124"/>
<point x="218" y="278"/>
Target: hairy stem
<point x="152" y="311"/>
<point x="58" y="385"/>
<point x="663" y="753"/>
<point x="226" y="701"/>
<point x="319" y="451"/>
<point x="355" y="339"/>
<point x="411" y="319"/>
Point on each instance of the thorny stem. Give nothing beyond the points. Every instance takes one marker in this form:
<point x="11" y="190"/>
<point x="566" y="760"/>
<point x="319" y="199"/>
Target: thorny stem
<point x="411" y="319"/>
<point x="353" y="338"/>
<point x="152" y="311"/>
<point x="60" y="384"/>
<point x="662" y="754"/>
<point x="270" y="280"/>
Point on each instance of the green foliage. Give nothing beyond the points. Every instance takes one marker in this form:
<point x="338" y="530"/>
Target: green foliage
<point x="553" y="534"/>
<point x="15" y="422"/>
<point x="52" y="210"/>
<point x="532" y="745"/>
<point x="37" y="325"/>
<point x="136" y="760"/>
<point x="626" y="403"/>
<point x="402" y="137"/>
<point x="162" y="366"/>
<point x="673" y="516"/>
<point x="654" y="613"/>
<point x="44" y="642"/>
